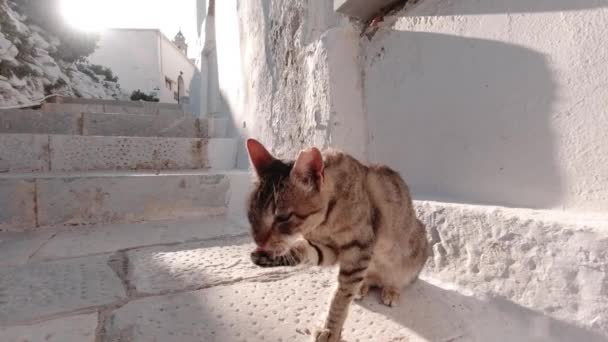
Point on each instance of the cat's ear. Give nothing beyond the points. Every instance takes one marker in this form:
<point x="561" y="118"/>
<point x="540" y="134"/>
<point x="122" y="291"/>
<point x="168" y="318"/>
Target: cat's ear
<point x="309" y="168"/>
<point x="259" y="155"/>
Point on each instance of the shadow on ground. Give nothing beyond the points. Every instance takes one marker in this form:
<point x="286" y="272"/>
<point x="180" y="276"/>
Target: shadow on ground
<point x="438" y="314"/>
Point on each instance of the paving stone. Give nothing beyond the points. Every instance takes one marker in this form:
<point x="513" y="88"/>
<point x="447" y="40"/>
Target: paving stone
<point x="68" y="329"/>
<point x="16" y="248"/>
<point x="24" y="153"/>
<point x="281" y="310"/>
<point x="193" y="265"/>
<point x="290" y="308"/>
<point x="40" y="289"/>
<point x="17" y="203"/>
<point x="106" y="239"/>
<point x="88" y="153"/>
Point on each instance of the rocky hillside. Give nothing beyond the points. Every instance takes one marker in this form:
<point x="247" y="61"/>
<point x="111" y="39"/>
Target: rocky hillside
<point x="31" y="67"/>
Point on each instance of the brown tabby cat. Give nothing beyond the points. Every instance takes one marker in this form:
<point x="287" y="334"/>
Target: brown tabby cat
<point x="326" y="209"/>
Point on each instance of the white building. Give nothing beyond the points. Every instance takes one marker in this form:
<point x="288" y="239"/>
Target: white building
<point x="147" y="60"/>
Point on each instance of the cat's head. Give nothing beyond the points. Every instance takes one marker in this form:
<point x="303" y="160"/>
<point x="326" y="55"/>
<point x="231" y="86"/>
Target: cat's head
<point x="286" y="200"/>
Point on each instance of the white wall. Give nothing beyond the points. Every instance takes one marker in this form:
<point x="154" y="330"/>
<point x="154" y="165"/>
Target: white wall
<point x="498" y="102"/>
<point x="141" y="58"/>
<point x="133" y="55"/>
<point x="172" y="62"/>
<point x="275" y="60"/>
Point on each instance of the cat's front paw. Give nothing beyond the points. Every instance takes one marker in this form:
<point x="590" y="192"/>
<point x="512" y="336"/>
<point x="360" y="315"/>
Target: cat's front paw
<point x="262" y="258"/>
<point x="325" y="335"/>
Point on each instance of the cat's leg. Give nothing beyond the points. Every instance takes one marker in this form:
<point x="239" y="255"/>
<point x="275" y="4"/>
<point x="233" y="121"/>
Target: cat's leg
<point x="354" y="261"/>
<point x="302" y="252"/>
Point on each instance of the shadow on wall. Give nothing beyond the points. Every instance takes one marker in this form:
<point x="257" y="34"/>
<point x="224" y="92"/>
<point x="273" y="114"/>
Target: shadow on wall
<point x="195" y="89"/>
<point x="449" y="8"/>
<point x="437" y="314"/>
<point x="463" y="119"/>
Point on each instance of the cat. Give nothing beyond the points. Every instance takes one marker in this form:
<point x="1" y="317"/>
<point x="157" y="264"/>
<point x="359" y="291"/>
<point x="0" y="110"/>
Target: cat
<point x="328" y="208"/>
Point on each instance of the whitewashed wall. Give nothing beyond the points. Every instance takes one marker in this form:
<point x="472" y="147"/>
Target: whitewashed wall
<point x="499" y="102"/>
<point x="172" y="62"/>
<point x="275" y="61"/>
<point x="133" y="55"/>
<point x="494" y="102"/>
<point x="141" y="58"/>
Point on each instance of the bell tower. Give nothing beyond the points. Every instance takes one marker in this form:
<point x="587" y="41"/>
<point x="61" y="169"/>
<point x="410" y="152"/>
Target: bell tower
<point x="180" y="42"/>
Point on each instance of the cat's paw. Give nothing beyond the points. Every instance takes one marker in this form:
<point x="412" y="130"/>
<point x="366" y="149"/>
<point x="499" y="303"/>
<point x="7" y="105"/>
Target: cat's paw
<point x="262" y="258"/>
<point x="325" y="335"/>
<point x="362" y="292"/>
<point x="390" y="296"/>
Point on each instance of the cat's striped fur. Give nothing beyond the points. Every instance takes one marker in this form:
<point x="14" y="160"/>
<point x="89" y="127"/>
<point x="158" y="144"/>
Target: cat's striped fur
<point x="328" y="208"/>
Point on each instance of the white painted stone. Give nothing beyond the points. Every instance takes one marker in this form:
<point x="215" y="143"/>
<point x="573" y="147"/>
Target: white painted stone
<point x="68" y="329"/>
<point x="88" y="153"/>
<point x="348" y="120"/>
<point x="494" y="102"/>
<point x="129" y="197"/>
<point x="17" y="248"/>
<point x="221" y="153"/>
<point x="109" y="238"/>
<point x="361" y="9"/>
<point x="273" y="77"/>
<point x="37" y="122"/>
<point x="195" y="265"/>
<point x="545" y="262"/>
<point x="17" y="200"/>
<point x="241" y="184"/>
<point x="218" y="127"/>
<point x="24" y="153"/>
<point x="38" y="290"/>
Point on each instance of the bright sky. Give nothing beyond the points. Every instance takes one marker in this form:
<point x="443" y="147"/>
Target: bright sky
<point x="167" y="15"/>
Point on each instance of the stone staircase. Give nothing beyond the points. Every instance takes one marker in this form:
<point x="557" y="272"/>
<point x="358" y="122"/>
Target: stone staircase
<point x="123" y="222"/>
<point x="82" y="162"/>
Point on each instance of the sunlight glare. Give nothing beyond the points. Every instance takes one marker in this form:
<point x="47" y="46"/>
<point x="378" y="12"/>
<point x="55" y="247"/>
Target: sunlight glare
<point x="95" y="15"/>
<point x="83" y="15"/>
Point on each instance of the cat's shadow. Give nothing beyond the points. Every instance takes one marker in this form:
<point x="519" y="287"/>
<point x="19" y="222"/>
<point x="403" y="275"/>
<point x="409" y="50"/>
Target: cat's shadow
<point x="439" y="314"/>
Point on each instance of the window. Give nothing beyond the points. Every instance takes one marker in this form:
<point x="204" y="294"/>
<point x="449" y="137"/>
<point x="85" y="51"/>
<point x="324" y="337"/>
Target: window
<point x="169" y="83"/>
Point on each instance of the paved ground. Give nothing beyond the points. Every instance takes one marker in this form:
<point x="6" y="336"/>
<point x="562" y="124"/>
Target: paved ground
<point x="192" y="281"/>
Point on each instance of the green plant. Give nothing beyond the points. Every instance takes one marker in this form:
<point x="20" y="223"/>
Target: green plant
<point x="107" y="72"/>
<point x="50" y="88"/>
<point x="138" y="95"/>
<point x="24" y="70"/>
<point x="83" y="68"/>
<point x="20" y="71"/>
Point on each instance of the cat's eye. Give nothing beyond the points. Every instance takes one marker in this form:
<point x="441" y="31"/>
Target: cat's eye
<point x="282" y="217"/>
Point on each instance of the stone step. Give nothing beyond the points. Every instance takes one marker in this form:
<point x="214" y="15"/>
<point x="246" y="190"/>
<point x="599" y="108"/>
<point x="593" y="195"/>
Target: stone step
<point x="29" y="201"/>
<point x="161" y="125"/>
<point x="43" y="153"/>
<point x="19" y="248"/>
<point x="114" y="108"/>
<point x="80" y="100"/>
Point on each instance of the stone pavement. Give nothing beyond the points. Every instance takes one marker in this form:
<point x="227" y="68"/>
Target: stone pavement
<point x="192" y="281"/>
